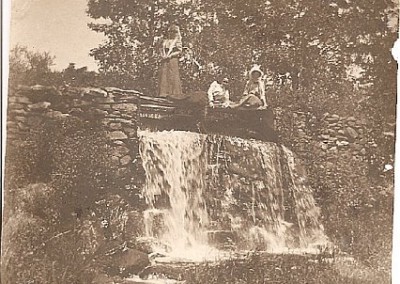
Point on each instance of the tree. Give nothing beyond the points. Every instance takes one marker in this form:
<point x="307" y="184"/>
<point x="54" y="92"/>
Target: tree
<point x="29" y="67"/>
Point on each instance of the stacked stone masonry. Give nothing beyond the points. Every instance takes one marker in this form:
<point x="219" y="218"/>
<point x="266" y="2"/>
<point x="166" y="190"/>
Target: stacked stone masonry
<point x="29" y="107"/>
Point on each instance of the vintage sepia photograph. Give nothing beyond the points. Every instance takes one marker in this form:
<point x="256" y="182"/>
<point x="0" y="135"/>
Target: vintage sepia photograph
<point x="199" y="142"/>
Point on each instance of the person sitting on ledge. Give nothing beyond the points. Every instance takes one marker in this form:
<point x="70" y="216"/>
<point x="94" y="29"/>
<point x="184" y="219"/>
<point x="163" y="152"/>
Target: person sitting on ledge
<point x="218" y="94"/>
<point x="254" y="91"/>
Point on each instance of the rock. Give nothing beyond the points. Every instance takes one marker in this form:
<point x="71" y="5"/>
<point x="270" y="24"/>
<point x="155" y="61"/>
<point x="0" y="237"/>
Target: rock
<point x="324" y="146"/>
<point x="351" y="133"/>
<point x="39" y="106"/>
<point x="20" y="118"/>
<point x="330" y="165"/>
<point x="221" y="238"/>
<point x="76" y="111"/>
<point x="115" y="113"/>
<point x="351" y="123"/>
<point x="103" y="100"/>
<point x="342" y="143"/>
<point x="341" y="132"/>
<point x="162" y="271"/>
<point x="18" y="111"/>
<point x="114" y="161"/>
<point x="389" y="133"/>
<point x="131" y="261"/>
<point x="96" y="92"/>
<point x="126" y="160"/>
<point x="134" y="225"/>
<point x="115" y="125"/>
<point x="80" y="103"/>
<point x="99" y="112"/>
<point x="11" y="124"/>
<point x="301" y="133"/>
<point x="131" y="132"/>
<point x="333" y="149"/>
<point x="363" y="141"/>
<point x="23" y="127"/>
<point x="56" y="114"/>
<point x="22" y="100"/>
<point x="125" y="107"/>
<point x="119" y="151"/>
<point x="363" y="151"/>
<point x="351" y="118"/>
<point x="149" y="245"/>
<point x="333" y="117"/>
<point x="122" y="173"/>
<point x="35" y="121"/>
<point x="325" y="137"/>
<point x="105" y="107"/>
<point x="15" y="106"/>
<point x="117" y="135"/>
<point x="118" y="142"/>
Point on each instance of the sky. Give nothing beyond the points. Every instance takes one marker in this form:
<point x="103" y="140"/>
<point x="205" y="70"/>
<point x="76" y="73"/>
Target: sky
<point x="57" y="26"/>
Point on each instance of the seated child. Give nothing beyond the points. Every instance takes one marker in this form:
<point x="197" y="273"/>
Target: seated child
<point x="254" y="91"/>
<point x="218" y="94"/>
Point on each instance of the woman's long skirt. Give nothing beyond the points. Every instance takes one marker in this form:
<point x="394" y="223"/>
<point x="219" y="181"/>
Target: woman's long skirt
<point x="170" y="82"/>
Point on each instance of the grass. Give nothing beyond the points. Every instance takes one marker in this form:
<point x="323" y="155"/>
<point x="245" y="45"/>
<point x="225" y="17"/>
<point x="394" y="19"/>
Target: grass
<point x="286" y="269"/>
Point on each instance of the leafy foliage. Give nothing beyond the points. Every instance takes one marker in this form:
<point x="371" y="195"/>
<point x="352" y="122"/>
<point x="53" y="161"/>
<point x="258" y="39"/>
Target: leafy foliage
<point x="30" y="67"/>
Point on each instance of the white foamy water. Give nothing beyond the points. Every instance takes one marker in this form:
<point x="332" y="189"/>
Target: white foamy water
<point x="175" y="167"/>
<point x="277" y="212"/>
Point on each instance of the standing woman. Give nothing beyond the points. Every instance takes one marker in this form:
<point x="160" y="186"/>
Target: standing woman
<point x="169" y="82"/>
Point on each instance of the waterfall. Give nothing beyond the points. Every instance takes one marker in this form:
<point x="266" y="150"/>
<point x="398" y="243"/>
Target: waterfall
<point x="175" y="165"/>
<point x="253" y="193"/>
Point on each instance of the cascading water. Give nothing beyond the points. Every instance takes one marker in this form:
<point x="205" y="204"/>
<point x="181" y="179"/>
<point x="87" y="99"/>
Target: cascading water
<point x="254" y="191"/>
<point x="175" y="165"/>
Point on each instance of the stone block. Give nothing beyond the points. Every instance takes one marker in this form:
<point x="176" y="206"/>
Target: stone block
<point x="18" y="111"/>
<point x="118" y="143"/>
<point x="333" y="117"/>
<point x="34" y="121"/>
<point x="351" y="123"/>
<point x="11" y="124"/>
<point x="103" y="100"/>
<point x="125" y="160"/>
<point x="131" y="132"/>
<point x="16" y="106"/>
<point x="130" y="107"/>
<point x="114" y="161"/>
<point x="342" y="143"/>
<point x="23" y="126"/>
<point x="117" y="135"/>
<point x="56" y="114"/>
<point x="351" y="133"/>
<point x="99" y="112"/>
<point x="22" y="100"/>
<point x="115" y="113"/>
<point x="104" y="107"/>
<point x="39" y="106"/>
<point x="20" y="119"/>
<point x="115" y="125"/>
<point x="122" y="173"/>
<point x="119" y="151"/>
